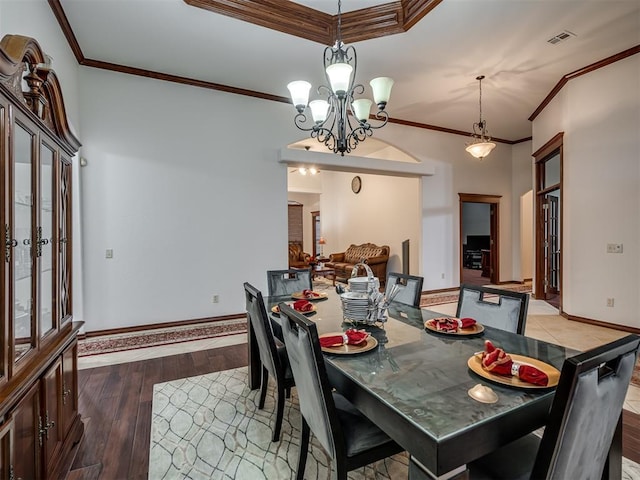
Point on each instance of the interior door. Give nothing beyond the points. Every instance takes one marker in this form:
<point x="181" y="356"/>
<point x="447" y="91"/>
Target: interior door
<point x="551" y="245"/>
<point x="548" y="222"/>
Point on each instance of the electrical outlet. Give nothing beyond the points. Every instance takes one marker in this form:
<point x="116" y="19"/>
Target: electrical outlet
<point x="609" y="302"/>
<point x="108" y="253"/>
<point x="614" y="248"/>
<point x="215" y="298"/>
<point x="442" y="276"/>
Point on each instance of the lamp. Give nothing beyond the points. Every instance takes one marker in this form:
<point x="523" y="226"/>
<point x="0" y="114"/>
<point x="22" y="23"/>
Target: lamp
<point x="481" y="145"/>
<point x="340" y="121"/>
<point x="321" y="242"/>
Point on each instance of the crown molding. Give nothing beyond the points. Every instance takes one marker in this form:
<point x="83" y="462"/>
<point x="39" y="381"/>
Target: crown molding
<point x="304" y="22"/>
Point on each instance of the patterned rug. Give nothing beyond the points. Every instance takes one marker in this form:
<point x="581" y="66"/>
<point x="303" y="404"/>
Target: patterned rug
<point x="209" y="426"/>
<point x="428" y="299"/>
<point x="160" y="336"/>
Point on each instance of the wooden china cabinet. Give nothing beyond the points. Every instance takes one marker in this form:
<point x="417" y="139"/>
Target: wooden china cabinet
<point x="39" y="418"/>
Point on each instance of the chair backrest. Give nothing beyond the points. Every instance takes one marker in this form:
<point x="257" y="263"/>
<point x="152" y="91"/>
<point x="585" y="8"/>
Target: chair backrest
<point x="508" y="311"/>
<point x="262" y="328"/>
<point x="286" y="282"/>
<point x="585" y="411"/>
<point x="410" y="288"/>
<point x="312" y="383"/>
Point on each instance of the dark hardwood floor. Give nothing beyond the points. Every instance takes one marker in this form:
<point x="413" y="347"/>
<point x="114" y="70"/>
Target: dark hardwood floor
<point x="472" y="276"/>
<point x="115" y="403"/>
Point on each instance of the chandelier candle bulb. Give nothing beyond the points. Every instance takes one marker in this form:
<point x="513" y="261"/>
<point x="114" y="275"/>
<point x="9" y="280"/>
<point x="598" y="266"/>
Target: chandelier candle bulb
<point x="361" y="108"/>
<point x="319" y="110"/>
<point x="381" y="87"/>
<point x="339" y="77"/>
<point x="299" y="91"/>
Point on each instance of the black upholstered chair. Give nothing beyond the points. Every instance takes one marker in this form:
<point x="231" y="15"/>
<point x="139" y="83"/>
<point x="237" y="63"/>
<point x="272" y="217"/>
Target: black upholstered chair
<point x="508" y="311"/>
<point x="273" y="355"/>
<point x="410" y="288"/>
<point x="583" y="418"/>
<point x="286" y="282"/>
<point x="348" y="437"/>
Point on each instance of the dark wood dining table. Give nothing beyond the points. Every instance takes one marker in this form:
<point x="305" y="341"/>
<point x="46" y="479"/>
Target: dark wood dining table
<point x="414" y="385"/>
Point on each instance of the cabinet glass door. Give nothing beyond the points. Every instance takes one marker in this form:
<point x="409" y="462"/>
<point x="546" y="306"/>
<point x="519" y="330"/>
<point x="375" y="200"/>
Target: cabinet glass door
<point x="22" y="257"/>
<point x="44" y="239"/>
<point x="64" y="242"/>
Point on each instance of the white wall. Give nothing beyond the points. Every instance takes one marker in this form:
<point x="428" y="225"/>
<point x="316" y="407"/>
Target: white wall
<point x="458" y="172"/>
<point x="521" y="183"/>
<point x="526" y="236"/>
<point x="189" y="207"/>
<point x="600" y="115"/>
<point x="193" y="207"/>
<point x="385" y="212"/>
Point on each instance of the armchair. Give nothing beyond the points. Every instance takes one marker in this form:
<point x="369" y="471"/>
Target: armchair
<point x="298" y="258"/>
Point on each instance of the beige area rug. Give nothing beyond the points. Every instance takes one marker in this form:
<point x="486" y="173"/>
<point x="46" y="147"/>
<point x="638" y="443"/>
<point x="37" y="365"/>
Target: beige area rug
<point x="161" y="336"/>
<point x="452" y="297"/>
<point x="209" y="426"/>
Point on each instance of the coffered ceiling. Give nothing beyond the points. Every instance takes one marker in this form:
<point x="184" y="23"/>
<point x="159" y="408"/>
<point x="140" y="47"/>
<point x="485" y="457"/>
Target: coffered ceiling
<point x="434" y="49"/>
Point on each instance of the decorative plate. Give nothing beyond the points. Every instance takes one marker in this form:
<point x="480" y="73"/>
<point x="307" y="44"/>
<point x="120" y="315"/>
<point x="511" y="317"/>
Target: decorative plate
<point x="475" y="330"/>
<point x="276" y="310"/>
<point x="300" y="296"/>
<point x="475" y="364"/>
<point x="370" y="344"/>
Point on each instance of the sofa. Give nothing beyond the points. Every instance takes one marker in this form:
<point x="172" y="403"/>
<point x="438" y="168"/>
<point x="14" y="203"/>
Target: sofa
<point x="298" y="258"/>
<point x="373" y="255"/>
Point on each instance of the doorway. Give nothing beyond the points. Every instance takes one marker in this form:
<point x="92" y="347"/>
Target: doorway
<point x="479" y="233"/>
<point x="316" y="234"/>
<point x="548" y="183"/>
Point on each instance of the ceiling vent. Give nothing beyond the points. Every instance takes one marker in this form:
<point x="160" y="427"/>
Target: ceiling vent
<point x="561" y="37"/>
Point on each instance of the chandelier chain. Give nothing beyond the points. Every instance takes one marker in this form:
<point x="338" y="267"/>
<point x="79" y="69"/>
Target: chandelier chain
<point x="339" y="40"/>
<point x="480" y="78"/>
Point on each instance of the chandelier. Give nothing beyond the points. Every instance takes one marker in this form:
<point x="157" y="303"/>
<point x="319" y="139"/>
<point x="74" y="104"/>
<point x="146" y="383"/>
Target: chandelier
<point x="340" y="121"/>
<point x="480" y="145"/>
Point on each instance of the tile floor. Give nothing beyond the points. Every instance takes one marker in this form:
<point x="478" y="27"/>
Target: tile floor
<point x="543" y="322"/>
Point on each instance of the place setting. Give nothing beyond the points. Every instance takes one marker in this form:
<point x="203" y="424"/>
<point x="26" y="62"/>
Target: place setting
<point x="348" y="342"/>
<point x="303" y="306"/>
<point x="454" y="326"/>
<point x="511" y="370"/>
<point x="310" y="295"/>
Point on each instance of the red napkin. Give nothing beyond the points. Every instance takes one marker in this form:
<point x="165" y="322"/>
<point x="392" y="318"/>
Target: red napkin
<point x="495" y="360"/>
<point x="302" y="306"/>
<point x="310" y="294"/>
<point x="446" y="324"/>
<point x="350" y="337"/>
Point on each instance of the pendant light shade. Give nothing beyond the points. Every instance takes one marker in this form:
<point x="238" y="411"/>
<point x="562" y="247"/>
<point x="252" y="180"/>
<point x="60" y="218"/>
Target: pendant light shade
<point x="480" y="145"/>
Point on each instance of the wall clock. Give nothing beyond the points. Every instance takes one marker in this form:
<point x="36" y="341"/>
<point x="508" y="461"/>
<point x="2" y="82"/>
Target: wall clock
<point x="356" y="184"/>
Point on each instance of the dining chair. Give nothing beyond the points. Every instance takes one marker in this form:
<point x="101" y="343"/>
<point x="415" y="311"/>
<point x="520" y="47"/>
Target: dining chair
<point x="349" y="438"/>
<point x="585" y="413"/>
<point x="410" y="288"/>
<point x="286" y="282"/>
<point x="273" y="355"/>
<point x="494" y="307"/>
